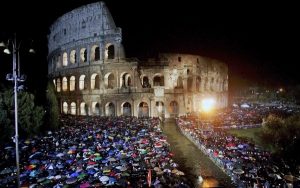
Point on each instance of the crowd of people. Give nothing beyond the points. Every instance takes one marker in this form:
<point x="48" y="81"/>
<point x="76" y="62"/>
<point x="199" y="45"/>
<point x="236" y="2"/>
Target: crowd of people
<point x="247" y="164"/>
<point x="95" y="152"/>
<point x="249" y="115"/>
<point x="134" y="152"/>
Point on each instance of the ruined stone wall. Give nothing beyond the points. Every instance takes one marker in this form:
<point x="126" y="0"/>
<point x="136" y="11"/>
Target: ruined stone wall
<point x="87" y="65"/>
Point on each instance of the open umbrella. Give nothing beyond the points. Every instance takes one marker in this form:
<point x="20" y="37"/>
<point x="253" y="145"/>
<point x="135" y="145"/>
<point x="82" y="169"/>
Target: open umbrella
<point x="8" y="147"/>
<point x="6" y="171"/>
<point x="71" y="180"/>
<point x="36" y="154"/>
<point x="85" y="185"/>
<point x="290" y="178"/>
<point x="238" y="171"/>
<point x="104" y="178"/>
<point x="60" y="154"/>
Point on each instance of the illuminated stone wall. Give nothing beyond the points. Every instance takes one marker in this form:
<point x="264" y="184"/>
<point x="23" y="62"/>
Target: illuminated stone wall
<point x="87" y="64"/>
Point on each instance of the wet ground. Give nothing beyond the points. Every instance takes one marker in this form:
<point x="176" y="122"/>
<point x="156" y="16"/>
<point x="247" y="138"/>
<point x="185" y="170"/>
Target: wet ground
<point x="192" y="161"/>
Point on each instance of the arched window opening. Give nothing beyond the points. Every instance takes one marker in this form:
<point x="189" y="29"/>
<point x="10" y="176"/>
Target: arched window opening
<point x="190" y="84"/>
<point x="188" y="71"/>
<point x="96" y="108"/>
<point x="111" y="52"/>
<point x="160" y="107"/>
<point x="146" y="83"/>
<point x="111" y="81"/>
<point x="110" y="109"/>
<point x="95" y="81"/>
<point x="73" y="108"/>
<point x="95" y="53"/>
<point x="65" y="108"/>
<point x="198" y="83"/>
<point x="72" y="83"/>
<point x="58" y="88"/>
<point x="83" y="109"/>
<point x="126" y="109"/>
<point x="206" y="84"/>
<point x="83" y="55"/>
<point x="125" y="80"/>
<point x="81" y="82"/>
<point x="174" y="109"/>
<point x="58" y="62"/>
<point x="65" y="59"/>
<point x="179" y="83"/>
<point x="158" y="81"/>
<point x="73" y="56"/>
<point x="143" y="110"/>
<point x="65" y="84"/>
<point x="212" y="84"/>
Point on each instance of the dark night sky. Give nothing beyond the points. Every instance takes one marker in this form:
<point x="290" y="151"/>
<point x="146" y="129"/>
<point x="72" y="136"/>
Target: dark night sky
<point x="258" y="41"/>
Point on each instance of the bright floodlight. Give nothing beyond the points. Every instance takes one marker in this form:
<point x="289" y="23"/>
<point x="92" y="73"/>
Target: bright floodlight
<point x="208" y="104"/>
<point x="7" y="51"/>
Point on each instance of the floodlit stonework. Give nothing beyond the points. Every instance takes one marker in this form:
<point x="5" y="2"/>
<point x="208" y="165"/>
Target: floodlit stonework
<point x="88" y="67"/>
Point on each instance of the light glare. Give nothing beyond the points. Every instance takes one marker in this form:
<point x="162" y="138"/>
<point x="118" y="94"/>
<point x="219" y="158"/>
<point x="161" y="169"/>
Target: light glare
<point x="208" y="104"/>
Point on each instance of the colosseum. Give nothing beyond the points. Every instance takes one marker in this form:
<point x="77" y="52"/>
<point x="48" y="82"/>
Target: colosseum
<point x="92" y="75"/>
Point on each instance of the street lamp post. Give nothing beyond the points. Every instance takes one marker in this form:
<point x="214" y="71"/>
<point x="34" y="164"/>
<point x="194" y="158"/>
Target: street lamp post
<point x="16" y="110"/>
<point x="16" y="77"/>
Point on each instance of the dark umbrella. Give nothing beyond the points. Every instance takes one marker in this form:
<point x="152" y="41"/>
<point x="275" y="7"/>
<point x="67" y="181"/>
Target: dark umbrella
<point x="71" y="180"/>
<point x="6" y="171"/>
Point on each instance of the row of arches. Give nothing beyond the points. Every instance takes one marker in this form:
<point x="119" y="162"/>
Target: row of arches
<point x="125" y="80"/>
<point x="126" y="109"/>
<point x="109" y="81"/>
<point x="83" y="55"/>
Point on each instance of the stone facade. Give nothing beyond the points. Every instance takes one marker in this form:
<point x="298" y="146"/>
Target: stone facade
<point x="92" y="76"/>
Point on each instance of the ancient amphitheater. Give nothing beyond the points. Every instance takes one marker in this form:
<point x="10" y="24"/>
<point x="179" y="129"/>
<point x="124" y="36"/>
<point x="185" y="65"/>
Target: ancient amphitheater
<point x="92" y="76"/>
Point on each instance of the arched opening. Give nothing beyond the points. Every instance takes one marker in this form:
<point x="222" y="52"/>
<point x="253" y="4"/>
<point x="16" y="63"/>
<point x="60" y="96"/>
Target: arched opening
<point x="111" y="52"/>
<point x="73" y="56"/>
<point x="58" y="88"/>
<point x="110" y="81"/>
<point x="65" y="84"/>
<point x="126" y="109"/>
<point x="95" y="81"/>
<point x="83" y="55"/>
<point x="65" y="59"/>
<point x="128" y="80"/>
<point x="143" y="110"/>
<point x="58" y="62"/>
<point x="212" y="84"/>
<point x="179" y="83"/>
<point x="73" y="108"/>
<point x="95" y="53"/>
<point x="96" y="108"/>
<point x="83" y="109"/>
<point x="65" y="108"/>
<point x="198" y="83"/>
<point x="190" y="83"/>
<point x="173" y="109"/>
<point x="125" y="80"/>
<point x="110" y="109"/>
<point x="146" y="83"/>
<point x="206" y="84"/>
<point x="160" y="107"/>
<point x="158" y="81"/>
<point x="81" y="82"/>
<point x="72" y="83"/>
